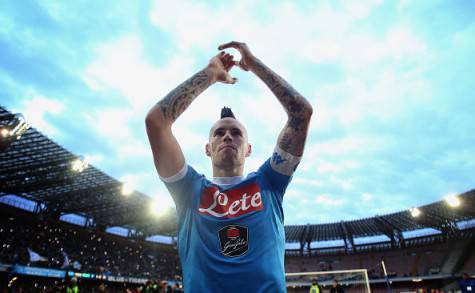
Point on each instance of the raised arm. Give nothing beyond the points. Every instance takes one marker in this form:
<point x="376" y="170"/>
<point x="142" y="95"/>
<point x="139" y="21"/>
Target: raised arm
<point x="167" y="154"/>
<point x="299" y="111"/>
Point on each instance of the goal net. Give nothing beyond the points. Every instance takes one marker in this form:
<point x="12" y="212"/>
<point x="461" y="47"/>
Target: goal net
<point x="352" y="281"/>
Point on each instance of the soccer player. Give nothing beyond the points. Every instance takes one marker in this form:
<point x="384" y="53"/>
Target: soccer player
<point x="230" y="227"/>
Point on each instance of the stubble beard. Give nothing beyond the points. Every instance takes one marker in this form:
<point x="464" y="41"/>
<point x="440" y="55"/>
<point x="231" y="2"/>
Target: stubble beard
<point x="228" y="161"/>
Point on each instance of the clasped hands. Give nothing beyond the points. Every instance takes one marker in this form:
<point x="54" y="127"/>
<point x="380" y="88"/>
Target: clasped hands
<point x="220" y="65"/>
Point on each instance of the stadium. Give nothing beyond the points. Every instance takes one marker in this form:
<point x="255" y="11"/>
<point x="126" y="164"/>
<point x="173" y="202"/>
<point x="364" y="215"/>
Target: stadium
<point x="63" y="219"/>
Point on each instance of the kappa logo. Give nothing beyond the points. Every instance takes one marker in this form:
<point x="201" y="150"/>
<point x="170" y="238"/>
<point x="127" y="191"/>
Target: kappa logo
<point x="232" y="203"/>
<point x="233" y="240"/>
<point x="277" y="159"/>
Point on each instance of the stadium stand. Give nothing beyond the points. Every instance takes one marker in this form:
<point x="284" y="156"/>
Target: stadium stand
<point x="51" y="244"/>
<point x="40" y="248"/>
<point x="430" y="259"/>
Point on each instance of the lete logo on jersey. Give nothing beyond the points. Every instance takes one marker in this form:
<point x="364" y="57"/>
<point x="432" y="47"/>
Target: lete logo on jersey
<point x="232" y="203"/>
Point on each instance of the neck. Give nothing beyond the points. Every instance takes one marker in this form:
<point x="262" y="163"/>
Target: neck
<point x="228" y="172"/>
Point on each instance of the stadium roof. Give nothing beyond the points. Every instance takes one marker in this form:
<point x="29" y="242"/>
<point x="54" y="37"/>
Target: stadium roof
<point x="36" y="168"/>
<point x="438" y="215"/>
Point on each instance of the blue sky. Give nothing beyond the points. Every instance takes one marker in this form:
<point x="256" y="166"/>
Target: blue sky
<point x="391" y="82"/>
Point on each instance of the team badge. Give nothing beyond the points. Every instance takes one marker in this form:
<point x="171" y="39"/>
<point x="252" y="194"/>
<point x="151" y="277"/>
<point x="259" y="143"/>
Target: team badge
<point x="233" y="240"/>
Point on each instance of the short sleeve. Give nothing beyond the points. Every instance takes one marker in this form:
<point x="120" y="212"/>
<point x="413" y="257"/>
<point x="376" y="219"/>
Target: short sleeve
<point x="283" y="162"/>
<point x="181" y="190"/>
<point x="279" y="169"/>
<point x="277" y="181"/>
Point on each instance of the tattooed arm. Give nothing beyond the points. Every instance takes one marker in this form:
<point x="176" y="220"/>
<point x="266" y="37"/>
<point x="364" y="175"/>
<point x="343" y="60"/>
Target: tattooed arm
<point x="299" y="111"/>
<point x="292" y="137"/>
<point x="167" y="154"/>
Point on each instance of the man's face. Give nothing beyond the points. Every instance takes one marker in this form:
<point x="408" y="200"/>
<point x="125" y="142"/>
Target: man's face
<point x="228" y="146"/>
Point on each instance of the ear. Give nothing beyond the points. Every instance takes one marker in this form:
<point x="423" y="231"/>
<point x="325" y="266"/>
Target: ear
<point x="207" y="150"/>
<point x="249" y="150"/>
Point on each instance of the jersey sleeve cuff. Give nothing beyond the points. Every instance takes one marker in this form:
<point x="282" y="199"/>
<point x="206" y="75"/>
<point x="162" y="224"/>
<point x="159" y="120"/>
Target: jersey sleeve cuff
<point x="283" y="162"/>
<point x="178" y="176"/>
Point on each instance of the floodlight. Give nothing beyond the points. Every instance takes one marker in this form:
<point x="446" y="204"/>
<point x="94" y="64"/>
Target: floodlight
<point x="157" y="208"/>
<point x="415" y="212"/>
<point x="80" y="164"/>
<point x="20" y="126"/>
<point x="13" y="126"/>
<point x="452" y="200"/>
<point x="127" y="188"/>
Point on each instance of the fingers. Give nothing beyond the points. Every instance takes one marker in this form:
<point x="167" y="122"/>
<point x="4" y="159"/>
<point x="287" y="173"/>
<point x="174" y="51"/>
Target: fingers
<point x="233" y="63"/>
<point x="243" y="50"/>
<point x="227" y="58"/>
<point x="228" y="66"/>
<point x="231" y="80"/>
<point x="233" y="44"/>
<point x="227" y="61"/>
<point x="243" y="66"/>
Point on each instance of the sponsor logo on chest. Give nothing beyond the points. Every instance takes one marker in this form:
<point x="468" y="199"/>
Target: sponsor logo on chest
<point x="232" y="203"/>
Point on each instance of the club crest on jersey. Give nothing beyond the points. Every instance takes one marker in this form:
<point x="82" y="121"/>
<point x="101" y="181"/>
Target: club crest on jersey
<point x="232" y="203"/>
<point x="233" y="240"/>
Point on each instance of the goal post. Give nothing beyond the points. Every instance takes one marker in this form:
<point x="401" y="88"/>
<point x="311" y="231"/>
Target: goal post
<point x="352" y="281"/>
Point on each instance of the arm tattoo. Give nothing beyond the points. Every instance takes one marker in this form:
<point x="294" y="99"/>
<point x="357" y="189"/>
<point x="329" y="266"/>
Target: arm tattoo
<point x="173" y="104"/>
<point x="293" y="136"/>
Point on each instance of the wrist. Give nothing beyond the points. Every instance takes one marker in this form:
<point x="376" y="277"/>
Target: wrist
<point x="254" y="63"/>
<point x="211" y="74"/>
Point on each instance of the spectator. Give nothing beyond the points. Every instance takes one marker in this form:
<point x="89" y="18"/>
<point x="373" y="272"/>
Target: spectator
<point x="336" y="287"/>
<point x="467" y="284"/>
<point x="315" y="288"/>
<point x="72" y="287"/>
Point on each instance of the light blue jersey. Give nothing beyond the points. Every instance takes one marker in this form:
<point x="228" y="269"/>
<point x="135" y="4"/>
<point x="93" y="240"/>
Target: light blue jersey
<point x="231" y="239"/>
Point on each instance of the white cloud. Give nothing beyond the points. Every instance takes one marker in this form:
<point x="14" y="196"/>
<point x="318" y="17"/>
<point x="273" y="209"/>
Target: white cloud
<point x="307" y="182"/>
<point x="366" y="196"/>
<point x="337" y="167"/>
<point x="346" y="185"/>
<point x="147" y="182"/>
<point x="133" y="149"/>
<point x="351" y="145"/>
<point x="329" y="201"/>
<point x="284" y="23"/>
<point x="121" y="65"/>
<point x="189" y="140"/>
<point x="383" y="76"/>
<point x="114" y="126"/>
<point x="37" y="108"/>
<point x="293" y="193"/>
<point x="112" y="123"/>
<point x="94" y="158"/>
<point x="187" y="20"/>
<point x="359" y="9"/>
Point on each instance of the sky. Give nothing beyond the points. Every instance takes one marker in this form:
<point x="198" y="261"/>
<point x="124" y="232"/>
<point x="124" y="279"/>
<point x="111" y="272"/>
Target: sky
<point x="391" y="83"/>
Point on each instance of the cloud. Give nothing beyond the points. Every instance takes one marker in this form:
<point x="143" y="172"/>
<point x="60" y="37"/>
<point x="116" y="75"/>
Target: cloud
<point x="111" y="123"/>
<point x="366" y="196"/>
<point x="307" y="182"/>
<point x="94" y="159"/>
<point x="392" y="92"/>
<point x="37" y="109"/>
<point x="329" y="201"/>
<point x="120" y="65"/>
